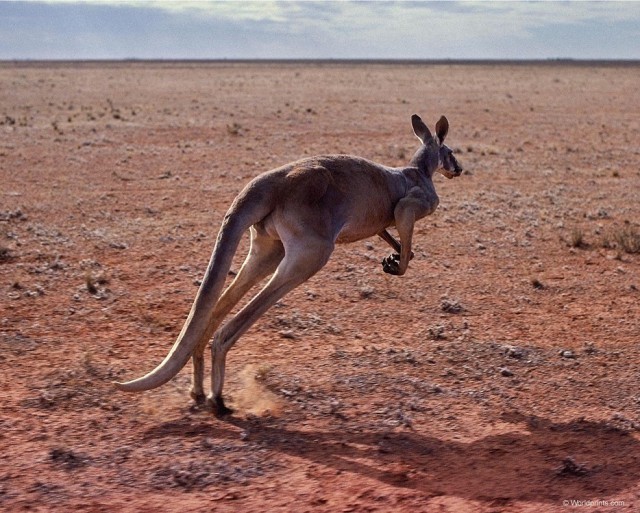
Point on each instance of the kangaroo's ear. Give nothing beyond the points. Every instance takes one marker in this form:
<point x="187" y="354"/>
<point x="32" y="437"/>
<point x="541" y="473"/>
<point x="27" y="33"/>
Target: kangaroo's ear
<point x="420" y="129"/>
<point x="442" y="128"/>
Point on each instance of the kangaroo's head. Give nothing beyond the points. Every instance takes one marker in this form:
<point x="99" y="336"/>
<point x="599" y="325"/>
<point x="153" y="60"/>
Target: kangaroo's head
<point x="434" y="155"/>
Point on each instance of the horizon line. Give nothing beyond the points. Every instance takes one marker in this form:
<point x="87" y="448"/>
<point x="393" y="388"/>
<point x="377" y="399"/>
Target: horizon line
<point x="340" y="60"/>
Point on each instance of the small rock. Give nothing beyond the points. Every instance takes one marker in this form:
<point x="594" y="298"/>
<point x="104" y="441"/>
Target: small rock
<point x="517" y="353"/>
<point x="537" y="284"/>
<point x="66" y="458"/>
<point x="569" y="467"/>
<point x="504" y="371"/>
<point x="566" y="353"/>
<point x="451" y="306"/>
<point x="436" y="332"/>
<point x="366" y="292"/>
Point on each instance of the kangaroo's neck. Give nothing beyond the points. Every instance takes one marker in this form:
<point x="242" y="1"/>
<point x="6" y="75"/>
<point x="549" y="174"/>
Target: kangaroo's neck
<point x="425" y="160"/>
<point x="417" y="177"/>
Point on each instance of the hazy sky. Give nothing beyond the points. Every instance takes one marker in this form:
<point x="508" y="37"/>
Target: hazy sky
<point x="63" y="29"/>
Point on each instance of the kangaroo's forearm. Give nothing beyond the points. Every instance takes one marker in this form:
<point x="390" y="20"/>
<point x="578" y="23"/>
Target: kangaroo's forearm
<point x="390" y="239"/>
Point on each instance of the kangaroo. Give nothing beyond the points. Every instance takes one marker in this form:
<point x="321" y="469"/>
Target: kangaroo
<point x="296" y="214"/>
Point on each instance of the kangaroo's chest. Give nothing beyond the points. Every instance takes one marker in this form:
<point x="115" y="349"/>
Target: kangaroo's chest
<point x="366" y="222"/>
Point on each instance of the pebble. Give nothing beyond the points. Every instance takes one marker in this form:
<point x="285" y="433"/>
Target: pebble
<point x="514" y="352"/>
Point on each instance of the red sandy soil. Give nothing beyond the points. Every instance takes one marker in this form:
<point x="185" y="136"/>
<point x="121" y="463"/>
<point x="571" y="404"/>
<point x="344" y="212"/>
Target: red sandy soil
<point x="500" y="374"/>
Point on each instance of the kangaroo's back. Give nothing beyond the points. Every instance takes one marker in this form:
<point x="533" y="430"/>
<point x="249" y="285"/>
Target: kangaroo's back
<point x="358" y="194"/>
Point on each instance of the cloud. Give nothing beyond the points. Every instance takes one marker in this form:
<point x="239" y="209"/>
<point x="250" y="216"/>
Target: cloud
<point x="338" y="29"/>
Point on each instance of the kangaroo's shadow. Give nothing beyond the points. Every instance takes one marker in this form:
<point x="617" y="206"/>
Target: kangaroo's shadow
<point x="545" y="462"/>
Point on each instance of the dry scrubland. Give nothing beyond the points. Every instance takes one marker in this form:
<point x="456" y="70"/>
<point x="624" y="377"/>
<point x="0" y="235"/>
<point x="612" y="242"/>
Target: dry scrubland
<point x="500" y="374"/>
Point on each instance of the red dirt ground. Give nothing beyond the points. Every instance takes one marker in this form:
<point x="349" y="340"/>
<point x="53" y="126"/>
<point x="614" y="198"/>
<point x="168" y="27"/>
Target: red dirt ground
<point x="500" y="374"/>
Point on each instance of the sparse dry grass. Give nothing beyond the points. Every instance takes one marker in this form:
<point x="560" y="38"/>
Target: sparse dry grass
<point x="576" y="238"/>
<point x="625" y="239"/>
<point x="91" y="284"/>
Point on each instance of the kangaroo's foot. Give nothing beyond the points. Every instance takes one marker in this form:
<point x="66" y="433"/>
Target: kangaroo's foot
<point x="217" y="406"/>
<point x="198" y="396"/>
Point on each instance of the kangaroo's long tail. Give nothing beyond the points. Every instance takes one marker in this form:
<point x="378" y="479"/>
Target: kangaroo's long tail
<point x="245" y="211"/>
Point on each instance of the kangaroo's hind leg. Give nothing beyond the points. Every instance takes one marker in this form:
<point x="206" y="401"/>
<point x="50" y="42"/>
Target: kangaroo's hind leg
<point x="302" y="260"/>
<point x="263" y="258"/>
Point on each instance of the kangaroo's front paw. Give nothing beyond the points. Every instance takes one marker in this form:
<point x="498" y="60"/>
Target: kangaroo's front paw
<point x="391" y="264"/>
